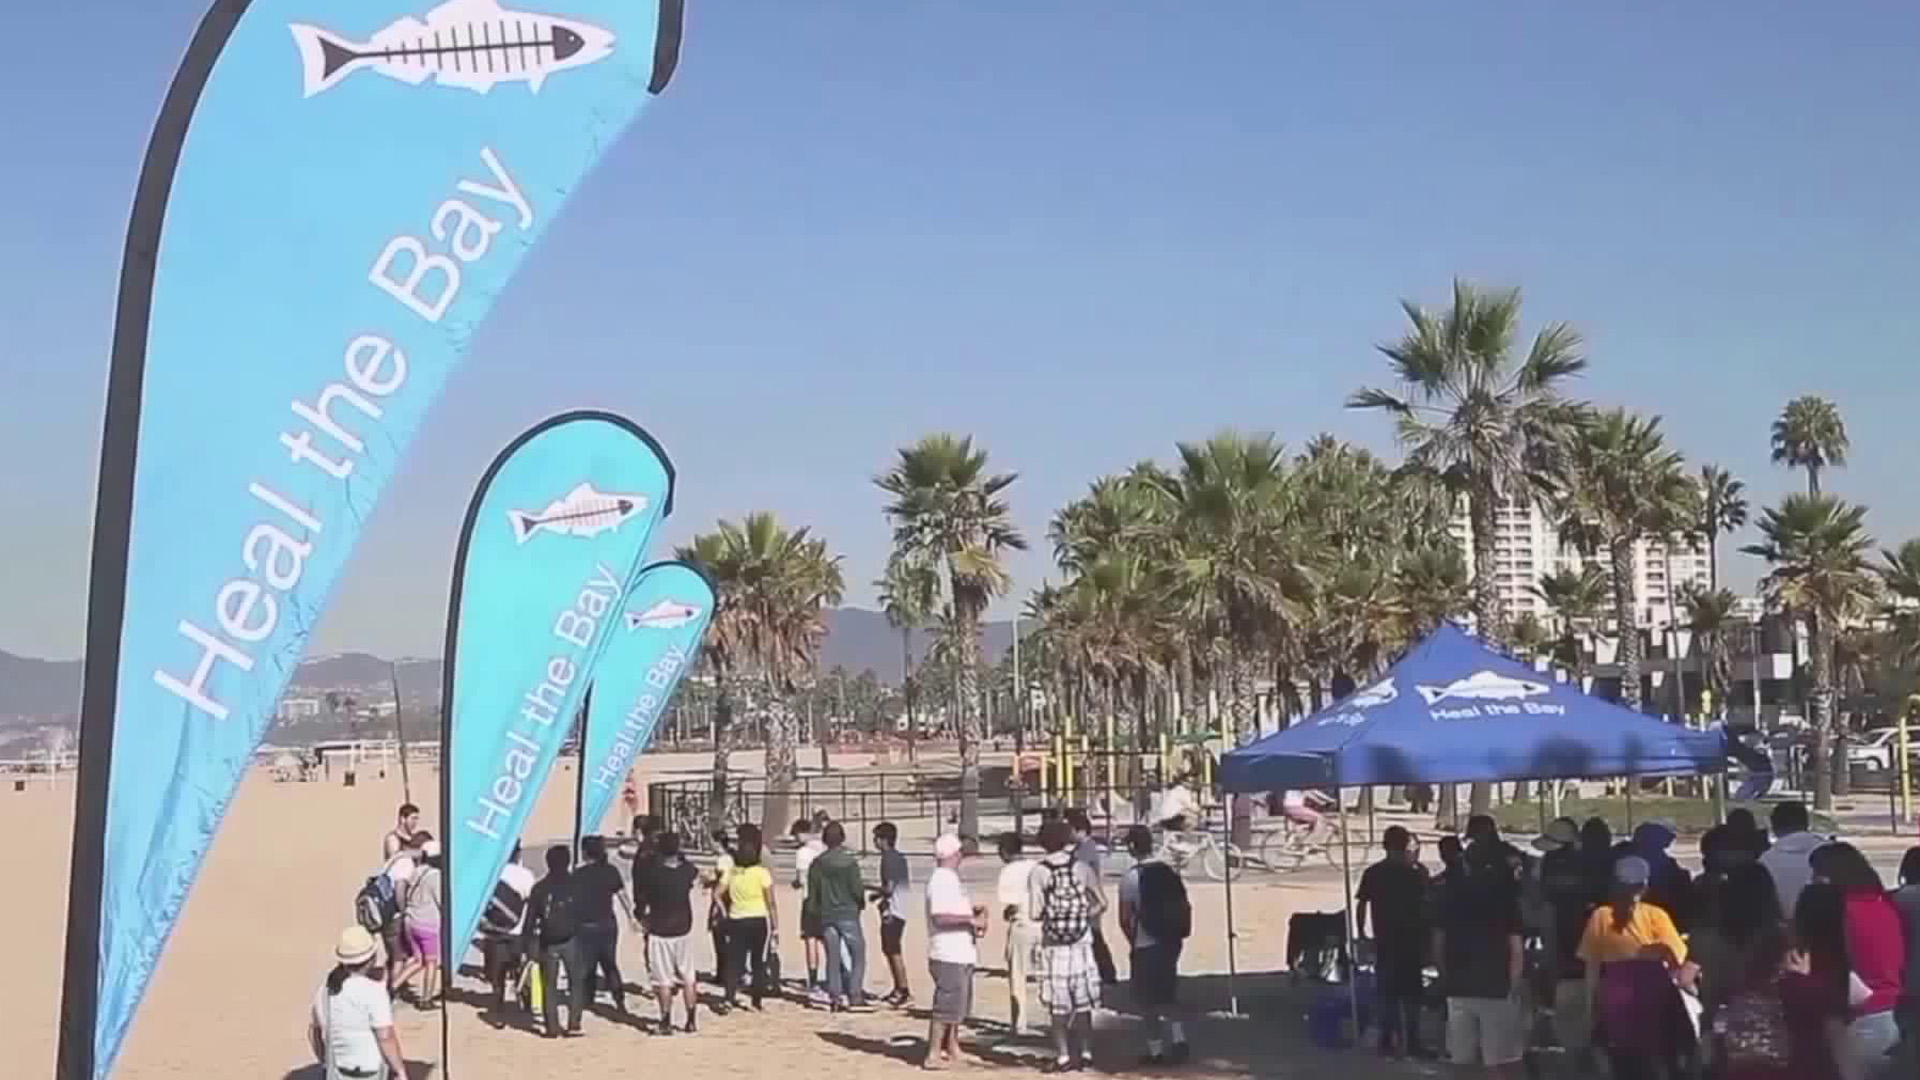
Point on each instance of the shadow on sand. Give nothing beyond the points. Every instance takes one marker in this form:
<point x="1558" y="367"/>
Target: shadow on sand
<point x="416" y="1070"/>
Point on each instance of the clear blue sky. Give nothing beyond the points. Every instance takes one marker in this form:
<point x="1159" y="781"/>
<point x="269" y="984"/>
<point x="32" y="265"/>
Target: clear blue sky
<point x="1079" y="231"/>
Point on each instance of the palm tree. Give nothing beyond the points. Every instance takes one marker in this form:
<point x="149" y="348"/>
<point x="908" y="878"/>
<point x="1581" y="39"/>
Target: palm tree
<point x="1900" y="576"/>
<point x="1810" y="435"/>
<point x="908" y="593"/>
<point x="1578" y="598"/>
<point x="1430" y="586"/>
<point x="1712" y="615"/>
<point x="1816" y="547"/>
<point x="1486" y="423"/>
<point x="1723" y="498"/>
<point x="1620" y="486"/>
<point x="1529" y="637"/>
<point x="947" y="510"/>
<point x="1241" y="576"/>
<point x="724" y="556"/>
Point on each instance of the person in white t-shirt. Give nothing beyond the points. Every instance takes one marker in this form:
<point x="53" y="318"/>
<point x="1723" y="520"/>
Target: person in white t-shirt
<point x="812" y="933"/>
<point x="401" y="868"/>
<point x="502" y="924"/>
<point x="1023" y="934"/>
<point x="953" y="923"/>
<point x="351" y="1025"/>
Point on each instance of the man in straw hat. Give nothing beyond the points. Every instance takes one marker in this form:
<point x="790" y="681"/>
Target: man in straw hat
<point x="351" y="1028"/>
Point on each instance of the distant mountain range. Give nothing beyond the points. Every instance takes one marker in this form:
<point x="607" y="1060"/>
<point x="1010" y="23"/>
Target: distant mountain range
<point x="34" y="692"/>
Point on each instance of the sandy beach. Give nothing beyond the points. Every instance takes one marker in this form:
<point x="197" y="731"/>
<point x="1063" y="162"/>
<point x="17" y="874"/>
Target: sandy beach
<point x="229" y="997"/>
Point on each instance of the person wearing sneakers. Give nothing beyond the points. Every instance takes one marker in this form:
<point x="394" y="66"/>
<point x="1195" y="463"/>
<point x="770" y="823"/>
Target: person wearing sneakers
<point x="954" y="922"/>
<point x="1065" y="899"/>
<point x="1023" y="936"/>
<point x="812" y="934"/>
<point x="351" y="1025"/>
<point x="1157" y="918"/>
<point x="892" y="897"/>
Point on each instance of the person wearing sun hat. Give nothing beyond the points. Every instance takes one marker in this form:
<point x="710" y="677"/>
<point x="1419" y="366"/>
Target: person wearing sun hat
<point x="351" y="1026"/>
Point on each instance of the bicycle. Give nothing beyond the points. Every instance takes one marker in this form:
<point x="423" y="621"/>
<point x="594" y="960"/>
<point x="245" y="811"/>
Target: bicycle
<point x="1292" y="844"/>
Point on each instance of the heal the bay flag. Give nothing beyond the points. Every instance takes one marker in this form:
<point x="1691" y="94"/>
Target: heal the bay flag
<point x="556" y="534"/>
<point x="653" y="645"/>
<point x="334" y="193"/>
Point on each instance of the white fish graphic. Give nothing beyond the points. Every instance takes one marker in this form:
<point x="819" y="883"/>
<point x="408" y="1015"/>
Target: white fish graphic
<point x="583" y="511"/>
<point x="474" y="44"/>
<point x="1378" y="694"/>
<point x="665" y="615"/>
<point x="1483" y="686"/>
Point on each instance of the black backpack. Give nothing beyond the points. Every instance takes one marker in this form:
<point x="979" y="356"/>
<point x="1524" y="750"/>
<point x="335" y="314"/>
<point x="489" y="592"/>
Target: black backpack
<point x="503" y="910"/>
<point x="1164" y="912"/>
<point x="1066" y="917"/>
<point x="561" y="919"/>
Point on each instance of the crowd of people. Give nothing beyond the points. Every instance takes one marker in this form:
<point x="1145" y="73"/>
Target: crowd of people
<point x="1785" y="958"/>
<point x="551" y="943"/>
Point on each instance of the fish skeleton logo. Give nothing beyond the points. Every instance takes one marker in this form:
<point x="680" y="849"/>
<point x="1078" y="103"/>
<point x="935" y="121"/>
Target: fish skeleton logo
<point x="1376" y="695"/>
<point x="1483" y="686"/>
<point x="467" y="43"/>
<point x="583" y="511"/>
<point x="665" y="615"/>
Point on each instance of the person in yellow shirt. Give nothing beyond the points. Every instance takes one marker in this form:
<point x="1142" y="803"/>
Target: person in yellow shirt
<point x="753" y="918"/>
<point x="1628" y="928"/>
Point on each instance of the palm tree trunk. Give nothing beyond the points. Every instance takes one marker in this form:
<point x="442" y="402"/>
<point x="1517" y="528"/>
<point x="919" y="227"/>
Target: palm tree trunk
<point x="1620" y="558"/>
<point x="968" y="723"/>
<point x="1713" y="557"/>
<point x="1489" y="612"/>
<point x="722" y="748"/>
<point x="1820" y="710"/>
<point x="906" y="687"/>
<point x="1813" y="479"/>
<point x="783" y="760"/>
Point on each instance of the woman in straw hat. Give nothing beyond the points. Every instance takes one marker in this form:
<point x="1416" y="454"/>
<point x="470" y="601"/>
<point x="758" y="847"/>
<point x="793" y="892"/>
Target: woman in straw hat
<point x="352" y="1024"/>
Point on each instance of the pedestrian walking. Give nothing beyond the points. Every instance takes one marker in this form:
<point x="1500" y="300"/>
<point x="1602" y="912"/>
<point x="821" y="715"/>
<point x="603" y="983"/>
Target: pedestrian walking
<point x="1023" y="933"/>
<point x="1157" y="918"/>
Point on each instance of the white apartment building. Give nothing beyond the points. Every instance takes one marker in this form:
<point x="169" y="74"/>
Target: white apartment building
<point x="1527" y="547"/>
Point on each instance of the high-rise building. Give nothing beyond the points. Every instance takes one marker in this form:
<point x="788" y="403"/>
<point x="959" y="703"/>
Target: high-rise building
<point x="1527" y="547"/>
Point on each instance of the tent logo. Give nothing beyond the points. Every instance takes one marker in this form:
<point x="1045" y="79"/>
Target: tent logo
<point x="1374" y="696"/>
<point x="665" y="615"/>
<point x="473" y="44"/>
<point x="1483" y="686"/>
<point x="584" y="512"/>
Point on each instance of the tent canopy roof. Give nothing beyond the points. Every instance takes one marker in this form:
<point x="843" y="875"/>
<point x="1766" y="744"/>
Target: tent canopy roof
<point x="1452" y="710"/>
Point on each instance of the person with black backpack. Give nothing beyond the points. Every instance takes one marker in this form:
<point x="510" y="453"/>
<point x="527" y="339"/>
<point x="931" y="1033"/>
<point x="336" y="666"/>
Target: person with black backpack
<point x="553" y="923"/>
<point x="1066" y="901"/>
<point x="1157" y="919"/>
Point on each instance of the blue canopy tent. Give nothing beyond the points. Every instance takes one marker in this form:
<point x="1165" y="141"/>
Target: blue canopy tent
<point x="1453" y="710"/>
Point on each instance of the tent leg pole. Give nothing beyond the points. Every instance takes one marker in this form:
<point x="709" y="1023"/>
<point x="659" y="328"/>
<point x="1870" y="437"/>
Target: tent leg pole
<point x="1353" y="945"/>
<point x="1233" y="989"/>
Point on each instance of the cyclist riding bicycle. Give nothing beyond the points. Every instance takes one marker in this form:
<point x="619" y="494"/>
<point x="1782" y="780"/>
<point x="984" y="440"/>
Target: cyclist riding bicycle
<point x="1302" y="808"/>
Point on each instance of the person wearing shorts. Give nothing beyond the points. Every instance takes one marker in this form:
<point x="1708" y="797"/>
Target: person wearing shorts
<point x="813" y="933"/>
<point x="663" y="902"/>
<point x="1065" y="899"/>
<point x="1155" y="970"/>
<point x="892" y="896"/>
<point x="953" y="924"/>
<point x="422" y="917"/>
<point x="1481" y="958"/>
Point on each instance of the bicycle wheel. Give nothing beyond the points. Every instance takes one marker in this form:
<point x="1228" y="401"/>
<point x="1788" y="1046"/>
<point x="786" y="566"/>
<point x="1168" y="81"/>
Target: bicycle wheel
<point x="1281" y="850"/>
<point x="1331" y="848"/>
<point x="1218" y="861"/>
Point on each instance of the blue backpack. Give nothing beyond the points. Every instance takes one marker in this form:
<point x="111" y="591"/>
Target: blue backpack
<point x="375" y="906"/>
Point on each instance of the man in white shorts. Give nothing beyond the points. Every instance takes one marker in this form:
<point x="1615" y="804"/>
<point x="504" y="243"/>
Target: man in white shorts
<point x="663" y="902"/>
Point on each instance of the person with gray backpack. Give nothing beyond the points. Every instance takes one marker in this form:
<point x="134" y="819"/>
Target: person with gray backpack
<point x="1065" y="900"/>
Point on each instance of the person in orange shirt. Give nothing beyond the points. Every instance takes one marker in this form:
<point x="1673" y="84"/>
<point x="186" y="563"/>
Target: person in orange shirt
<point x="1621" y="937"/>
